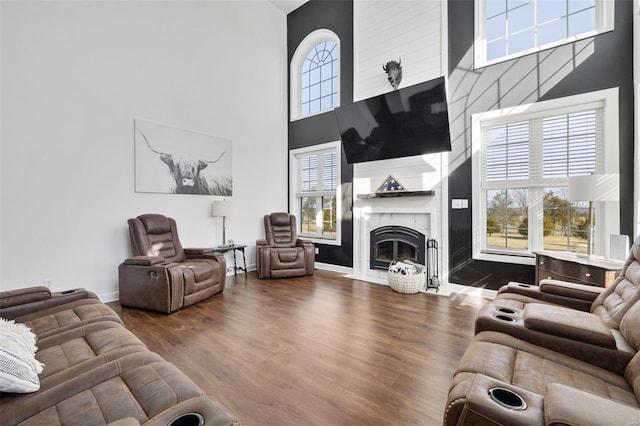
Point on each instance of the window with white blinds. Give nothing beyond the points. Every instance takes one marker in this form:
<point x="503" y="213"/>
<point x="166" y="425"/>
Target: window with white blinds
<point x="525" y="168"/>
<point x="315" y="188"/>
<point x="523" y="159"/>
<point x="542" y="151"/>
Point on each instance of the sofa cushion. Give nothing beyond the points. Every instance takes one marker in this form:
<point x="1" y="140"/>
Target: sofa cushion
<point x="81" y="349"/>
<point x="531" y="367"/>
<point x="19" y="368"/>
<point x="65" y="317"/>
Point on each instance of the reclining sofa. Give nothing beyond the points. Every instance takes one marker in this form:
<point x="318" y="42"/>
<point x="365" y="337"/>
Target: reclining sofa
<point x="96" y="372"/>
<point x="555" y="354"/>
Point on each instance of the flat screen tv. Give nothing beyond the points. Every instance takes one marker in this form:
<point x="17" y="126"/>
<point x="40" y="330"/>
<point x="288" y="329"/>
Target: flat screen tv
<point x="410" y="121"/>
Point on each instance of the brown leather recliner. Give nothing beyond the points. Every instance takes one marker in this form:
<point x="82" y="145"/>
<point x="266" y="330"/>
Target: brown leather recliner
<point x="282" y="254"/>
<point x="161" y="275"/>
<point x="551" y="315"/>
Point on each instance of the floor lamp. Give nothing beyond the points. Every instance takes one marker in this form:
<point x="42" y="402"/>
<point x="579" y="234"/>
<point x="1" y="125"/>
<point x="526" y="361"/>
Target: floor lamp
<point x="593" y="188"/>
<point x="221" y="208"/>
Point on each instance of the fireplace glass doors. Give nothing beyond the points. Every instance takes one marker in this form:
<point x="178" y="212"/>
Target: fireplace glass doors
<point x="395" y="243"/>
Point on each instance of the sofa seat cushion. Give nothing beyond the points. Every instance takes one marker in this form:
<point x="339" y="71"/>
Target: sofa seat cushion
<point x="139" y="385"/>
<point x="286" y="258"/>
<point x="81" y="349"/>
<point x="531" y="367"/>
<point x="198" y="270"/>
<point x="65" y="317"/>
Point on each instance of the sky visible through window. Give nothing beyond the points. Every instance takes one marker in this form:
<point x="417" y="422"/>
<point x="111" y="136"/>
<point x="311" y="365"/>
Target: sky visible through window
<point x="513" y="26"/>
<point x="319" y="79"/>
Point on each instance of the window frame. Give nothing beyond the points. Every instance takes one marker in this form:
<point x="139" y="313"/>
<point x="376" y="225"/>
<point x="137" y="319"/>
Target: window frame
<point x="295" y="156"/>
<point x="295" y="74"/>
<point x="607" y="100"/>
<point x="605" y="13"/>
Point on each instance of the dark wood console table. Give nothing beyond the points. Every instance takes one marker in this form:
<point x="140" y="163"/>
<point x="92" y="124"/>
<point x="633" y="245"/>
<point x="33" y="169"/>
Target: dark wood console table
<point x="234" y="248"/>
<point x="573" y="268"/>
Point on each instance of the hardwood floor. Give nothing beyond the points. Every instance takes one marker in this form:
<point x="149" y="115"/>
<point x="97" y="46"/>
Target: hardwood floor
<point x="321" y="350"/>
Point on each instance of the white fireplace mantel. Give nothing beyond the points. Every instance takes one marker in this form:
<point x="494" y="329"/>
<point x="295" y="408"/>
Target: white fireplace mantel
<point x="372" y="214"/>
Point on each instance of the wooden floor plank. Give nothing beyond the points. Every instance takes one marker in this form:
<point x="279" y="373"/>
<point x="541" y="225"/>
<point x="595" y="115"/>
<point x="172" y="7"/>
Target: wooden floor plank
<point x="321" y="350"/>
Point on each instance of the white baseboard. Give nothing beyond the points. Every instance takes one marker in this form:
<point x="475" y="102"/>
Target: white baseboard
<point x="333" y="268"/>
<point x="109" y="297"/>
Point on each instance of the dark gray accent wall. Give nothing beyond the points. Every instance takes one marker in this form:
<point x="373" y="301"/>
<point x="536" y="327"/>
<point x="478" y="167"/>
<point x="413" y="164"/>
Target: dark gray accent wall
<point x="336" y="16"/>
<point x="601" y="62"/>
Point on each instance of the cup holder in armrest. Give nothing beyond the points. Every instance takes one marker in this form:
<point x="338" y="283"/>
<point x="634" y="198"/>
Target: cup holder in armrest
<point x="525" y="285"/>
<point x="68" y="291"/>
<point x="505" y="318"/>
<point x="507" y="399"/>
<point x="505" y="310"/>
<point x="188" y="419"/>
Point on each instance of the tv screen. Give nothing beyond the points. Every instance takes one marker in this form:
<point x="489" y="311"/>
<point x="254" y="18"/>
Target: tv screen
<point x="410" y="121"/>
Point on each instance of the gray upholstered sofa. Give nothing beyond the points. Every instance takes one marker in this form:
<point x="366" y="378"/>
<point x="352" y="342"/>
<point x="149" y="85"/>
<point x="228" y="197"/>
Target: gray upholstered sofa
<point x="96" y="371"/>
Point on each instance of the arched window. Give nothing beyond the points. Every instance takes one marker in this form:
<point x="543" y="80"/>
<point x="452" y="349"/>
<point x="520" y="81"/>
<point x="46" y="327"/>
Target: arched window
<point x="315" y="69"/>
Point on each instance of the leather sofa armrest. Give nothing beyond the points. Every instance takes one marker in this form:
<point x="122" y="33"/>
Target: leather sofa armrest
<point x="23" y="295"/>
<point x="262" y="243"/>
<point x="573" y="290"/>
<point x="470" y="403"/>
<point x="568" y="324"/>
<point x="19" y="302"/>
<point x="303" y="243"/>
<point x="564" y="405"/>
<point x="571" y="295"/>
<point x="144" y="260"/>
<point x="193" y="251"/>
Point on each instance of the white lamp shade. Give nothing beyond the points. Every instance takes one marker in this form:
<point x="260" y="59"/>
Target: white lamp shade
<point x="596" y="187"/>
<point x="220" y="208"/>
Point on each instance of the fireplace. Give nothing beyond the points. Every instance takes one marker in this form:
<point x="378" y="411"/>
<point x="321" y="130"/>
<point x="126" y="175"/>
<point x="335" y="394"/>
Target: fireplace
<point x="395" y="243"/>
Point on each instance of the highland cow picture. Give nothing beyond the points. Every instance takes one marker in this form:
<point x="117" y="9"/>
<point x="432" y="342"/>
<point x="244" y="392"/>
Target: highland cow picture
<point x="175" y="161"/>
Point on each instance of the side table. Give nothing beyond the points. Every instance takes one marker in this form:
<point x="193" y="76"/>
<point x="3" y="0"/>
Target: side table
<point x="569" y="267"/>
<point x="234" y="248"/>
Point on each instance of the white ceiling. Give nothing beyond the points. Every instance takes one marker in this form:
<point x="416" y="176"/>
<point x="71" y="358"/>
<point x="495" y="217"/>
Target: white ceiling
<point x="288" y="5"/>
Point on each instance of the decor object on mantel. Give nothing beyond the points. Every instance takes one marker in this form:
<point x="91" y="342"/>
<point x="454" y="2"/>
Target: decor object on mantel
<point x="394" y="73"/>
<point x="393" y="188"/>
<point x="406" y="277"/>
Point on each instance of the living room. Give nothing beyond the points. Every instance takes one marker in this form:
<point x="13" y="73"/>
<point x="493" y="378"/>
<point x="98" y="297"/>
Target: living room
<point x="77" y="76"/>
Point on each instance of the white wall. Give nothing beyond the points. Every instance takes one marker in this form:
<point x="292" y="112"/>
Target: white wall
<point x="75" y="74"/>
<point x="390" y="30"/>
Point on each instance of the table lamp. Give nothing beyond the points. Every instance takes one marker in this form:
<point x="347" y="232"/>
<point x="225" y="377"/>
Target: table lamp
<point x="221" y="208"/>
<point x="594" y="187"/>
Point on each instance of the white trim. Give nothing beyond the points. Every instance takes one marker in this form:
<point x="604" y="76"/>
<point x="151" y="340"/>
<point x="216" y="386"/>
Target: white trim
<point x="608" y="99"/>
<point x="334" y="268"/>
<point x="293" y="188"/>
<point x="605" y="12"/>
<point x="297" y="60"/>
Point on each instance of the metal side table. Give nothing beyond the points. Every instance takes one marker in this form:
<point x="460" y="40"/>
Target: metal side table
<point x="234" y="248"/>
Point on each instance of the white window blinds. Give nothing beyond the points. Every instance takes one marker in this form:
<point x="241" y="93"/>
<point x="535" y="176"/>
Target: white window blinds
<point x="318" y="172"/>
<point x="542" y="151"/>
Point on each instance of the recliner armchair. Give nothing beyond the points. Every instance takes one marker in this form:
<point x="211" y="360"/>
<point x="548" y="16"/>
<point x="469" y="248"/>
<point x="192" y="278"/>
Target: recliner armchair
<point x="161" y="275"/>
<point x="282" y="254"/>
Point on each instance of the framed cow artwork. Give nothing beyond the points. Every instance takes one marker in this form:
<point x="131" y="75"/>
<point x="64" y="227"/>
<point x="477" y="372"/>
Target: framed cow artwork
<point x="169" y="160"/>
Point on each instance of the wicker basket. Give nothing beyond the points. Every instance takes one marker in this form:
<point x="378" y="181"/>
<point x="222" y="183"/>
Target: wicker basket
<point x="409" y="283"/>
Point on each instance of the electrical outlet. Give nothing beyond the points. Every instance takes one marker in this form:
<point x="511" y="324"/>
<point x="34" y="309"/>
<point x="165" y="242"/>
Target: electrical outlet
<point x="48" y="282"/>
<point x="317" y="250"/>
